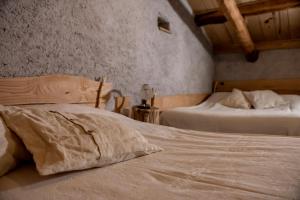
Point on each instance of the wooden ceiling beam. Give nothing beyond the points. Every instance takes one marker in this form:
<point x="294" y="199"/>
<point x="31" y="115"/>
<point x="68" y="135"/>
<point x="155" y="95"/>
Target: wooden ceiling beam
<point x="232" y="13"/>
<point x="216" y="16"/>
<point x="261" y="46"/>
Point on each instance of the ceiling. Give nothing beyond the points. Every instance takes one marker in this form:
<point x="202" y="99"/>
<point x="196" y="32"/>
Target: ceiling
<point x="199" y="6"/>
<point x="272" y="27"/>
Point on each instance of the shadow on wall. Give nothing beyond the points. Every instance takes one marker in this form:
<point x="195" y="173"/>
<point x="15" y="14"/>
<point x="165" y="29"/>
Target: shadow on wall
<point x="188" y="19"/>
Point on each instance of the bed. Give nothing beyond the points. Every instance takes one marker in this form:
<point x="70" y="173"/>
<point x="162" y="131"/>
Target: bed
<point x="212" y="116"/>
<point x="192" y="165"/>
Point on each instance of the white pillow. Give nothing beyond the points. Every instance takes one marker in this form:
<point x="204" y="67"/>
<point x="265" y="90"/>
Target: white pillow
<point x="12" y="150"/>
<point x="262" y="99"/>
<point x="293" y="100"/>
<point x="236" y="99"/>
<point x="63" y="142"/>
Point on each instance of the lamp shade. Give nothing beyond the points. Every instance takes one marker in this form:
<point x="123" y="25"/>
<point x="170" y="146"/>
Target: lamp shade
<point x="146" y="92"/>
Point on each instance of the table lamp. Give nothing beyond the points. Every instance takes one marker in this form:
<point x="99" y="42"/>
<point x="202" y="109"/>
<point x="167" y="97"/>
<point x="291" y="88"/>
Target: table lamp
<point x="146" y="93"/>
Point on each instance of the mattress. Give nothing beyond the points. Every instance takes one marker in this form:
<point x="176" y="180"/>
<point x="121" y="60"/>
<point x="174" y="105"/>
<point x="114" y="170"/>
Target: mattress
<point x="193" y="165"/>
<point x="214" y="117"/>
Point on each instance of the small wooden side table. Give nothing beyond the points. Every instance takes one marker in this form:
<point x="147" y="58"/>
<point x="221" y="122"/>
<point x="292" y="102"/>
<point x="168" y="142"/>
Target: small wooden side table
<point x="150" y="115"/>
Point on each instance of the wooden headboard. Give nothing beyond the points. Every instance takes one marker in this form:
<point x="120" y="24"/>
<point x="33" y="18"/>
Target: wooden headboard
<point x="53" y="89"/>
<point x="281" y="86"/>
<point x="181" y="100"/>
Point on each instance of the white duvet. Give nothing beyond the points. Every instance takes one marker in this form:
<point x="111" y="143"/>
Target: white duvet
<point x="212" y="116"/>
<point x="193" y="165"/>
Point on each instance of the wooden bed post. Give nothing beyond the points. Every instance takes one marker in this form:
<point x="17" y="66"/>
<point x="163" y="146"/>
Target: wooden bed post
<point x="102" y="81"/>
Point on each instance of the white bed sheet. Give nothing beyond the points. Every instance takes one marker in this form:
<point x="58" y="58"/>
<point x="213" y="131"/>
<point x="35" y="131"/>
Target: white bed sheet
<point x="212" y="116"/>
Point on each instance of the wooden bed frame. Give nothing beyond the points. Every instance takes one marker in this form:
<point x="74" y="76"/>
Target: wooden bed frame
<point x="281" y="86"/>
<point x="53" y="89"/>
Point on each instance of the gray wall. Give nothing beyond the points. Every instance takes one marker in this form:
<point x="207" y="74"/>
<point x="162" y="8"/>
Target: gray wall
<point x="115" y="38"/>
<point x="277" y="64"/>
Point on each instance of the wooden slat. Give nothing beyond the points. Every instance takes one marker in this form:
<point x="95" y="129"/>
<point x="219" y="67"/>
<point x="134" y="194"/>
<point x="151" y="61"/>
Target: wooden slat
<point x="261" y="46"/>
<point x="219" y="34"/>
<point x="281" y="86"/>
<point x="254" y="27"/>
<point x="246" y="9"/>
<point x="51" y="89"/>
<point x="279" y="44"/>
<point x="230" y="9"/>
<point x="282" y="25"/>
<point x="231" y="33"/>
<point x="267" y="24"/>
<point x="203" y="4"/>
<point x="294" y="22"/>
<point x="211" y="32"/>
<point x="244" y="1"/>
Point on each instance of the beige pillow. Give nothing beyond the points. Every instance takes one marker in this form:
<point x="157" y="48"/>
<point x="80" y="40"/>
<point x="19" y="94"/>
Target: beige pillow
<point x="63" y="142"/>
<point x="236" y="99"/>
<point x="262" y="99"/>
<point x="12" y="150"/>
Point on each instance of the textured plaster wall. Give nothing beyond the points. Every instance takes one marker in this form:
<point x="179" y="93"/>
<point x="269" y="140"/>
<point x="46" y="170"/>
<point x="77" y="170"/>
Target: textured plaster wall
<point x="118" y="39"/>
<point x="275" y="64"/>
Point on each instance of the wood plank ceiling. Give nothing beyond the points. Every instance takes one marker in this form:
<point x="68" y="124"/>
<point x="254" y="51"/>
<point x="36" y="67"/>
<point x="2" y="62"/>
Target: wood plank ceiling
<point x="277" y="29"/>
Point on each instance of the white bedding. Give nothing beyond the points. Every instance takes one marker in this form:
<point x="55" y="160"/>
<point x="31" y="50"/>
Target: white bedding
<point x="193" y="165"/>
<point x="212" y="116"/>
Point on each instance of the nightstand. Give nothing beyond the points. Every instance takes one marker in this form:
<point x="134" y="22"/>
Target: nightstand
<point x="150" y="115"/>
